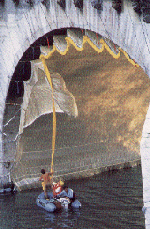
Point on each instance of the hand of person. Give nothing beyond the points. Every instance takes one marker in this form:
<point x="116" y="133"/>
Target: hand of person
<point x="52" y="171"/>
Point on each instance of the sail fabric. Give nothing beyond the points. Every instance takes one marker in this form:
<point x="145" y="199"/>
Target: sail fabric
<point x="37" y="99"/>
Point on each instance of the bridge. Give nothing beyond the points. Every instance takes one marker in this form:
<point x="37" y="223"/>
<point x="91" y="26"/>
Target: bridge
<point x="31" y="28"/>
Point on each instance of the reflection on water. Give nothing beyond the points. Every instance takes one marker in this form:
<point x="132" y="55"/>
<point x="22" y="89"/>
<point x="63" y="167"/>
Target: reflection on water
<point x="109" y="201"/>
<point x="65" y="219"/>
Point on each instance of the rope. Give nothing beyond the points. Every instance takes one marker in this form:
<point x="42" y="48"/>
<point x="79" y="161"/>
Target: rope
<point x="54" y="113"/>
<point x="11" y="118"/>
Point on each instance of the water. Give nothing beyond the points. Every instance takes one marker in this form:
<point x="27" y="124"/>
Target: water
<point x="109" y="201"/>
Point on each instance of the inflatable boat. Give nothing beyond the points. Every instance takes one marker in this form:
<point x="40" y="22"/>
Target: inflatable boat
<point x="51" y="204"/>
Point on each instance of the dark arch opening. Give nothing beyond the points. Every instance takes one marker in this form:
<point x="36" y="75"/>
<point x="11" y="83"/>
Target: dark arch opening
<point x="23" y="68"/>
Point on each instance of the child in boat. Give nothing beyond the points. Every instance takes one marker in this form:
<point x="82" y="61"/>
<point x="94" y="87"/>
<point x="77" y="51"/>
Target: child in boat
<point x="46" y="181"/>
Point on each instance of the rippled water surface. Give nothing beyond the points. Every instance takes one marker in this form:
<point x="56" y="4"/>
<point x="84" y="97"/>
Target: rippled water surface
<point x="109" y="201"/>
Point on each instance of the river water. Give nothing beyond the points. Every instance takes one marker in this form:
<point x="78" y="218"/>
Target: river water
<point x="109" y="200"/>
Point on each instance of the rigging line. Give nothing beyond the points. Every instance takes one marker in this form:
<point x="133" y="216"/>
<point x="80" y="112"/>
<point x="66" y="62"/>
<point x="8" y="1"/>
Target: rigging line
<point x="11" y="118"/>
<point x="66" y="147"/>
<point x="54" y="113"/>
<point x="8" y="134"/>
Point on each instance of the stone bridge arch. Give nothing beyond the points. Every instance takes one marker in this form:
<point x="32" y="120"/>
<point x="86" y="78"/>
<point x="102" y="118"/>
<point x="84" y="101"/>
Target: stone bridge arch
<point x="22" y="25"/>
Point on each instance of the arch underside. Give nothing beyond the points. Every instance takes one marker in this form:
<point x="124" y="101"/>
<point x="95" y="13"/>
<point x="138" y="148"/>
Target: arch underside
<point x="108" y="128"/>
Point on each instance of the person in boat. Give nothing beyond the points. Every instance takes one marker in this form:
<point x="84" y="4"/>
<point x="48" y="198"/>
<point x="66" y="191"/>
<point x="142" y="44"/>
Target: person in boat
<point x="67" y="193"/>
<point x="57" y="188"/>
<point x="46" y="179"/>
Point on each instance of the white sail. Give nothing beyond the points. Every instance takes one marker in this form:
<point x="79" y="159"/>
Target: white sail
<point x="37" y="99"/>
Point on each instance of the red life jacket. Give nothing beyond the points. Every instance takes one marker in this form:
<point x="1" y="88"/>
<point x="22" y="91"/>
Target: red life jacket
<point x="57" y="188"/>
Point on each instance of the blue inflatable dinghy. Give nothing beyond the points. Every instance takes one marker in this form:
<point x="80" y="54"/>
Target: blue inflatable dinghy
<point x="48" y="205"/>
<point x="53" y="204"/>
